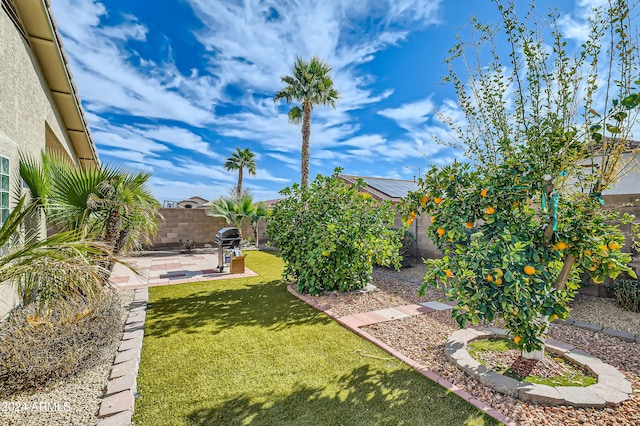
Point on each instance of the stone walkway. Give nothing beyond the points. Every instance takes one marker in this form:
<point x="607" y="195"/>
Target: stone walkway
<point x="170" y="269"/>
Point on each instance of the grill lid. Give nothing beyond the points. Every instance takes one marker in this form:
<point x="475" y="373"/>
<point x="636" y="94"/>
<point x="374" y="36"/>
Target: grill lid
<point x="228" y="233"/>
<point x="228" y="237"/>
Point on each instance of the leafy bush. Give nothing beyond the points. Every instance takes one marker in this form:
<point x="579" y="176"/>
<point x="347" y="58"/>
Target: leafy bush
<point x="627" y="293"/>
<point x="36" y="349"/>
<point x="331" y="234"/>
<point x="187" y="245"/>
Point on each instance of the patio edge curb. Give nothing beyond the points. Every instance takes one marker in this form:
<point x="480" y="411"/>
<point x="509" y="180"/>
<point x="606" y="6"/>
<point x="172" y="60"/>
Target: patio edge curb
<point x="481" y="405"/>
<point x="118" y="403"/>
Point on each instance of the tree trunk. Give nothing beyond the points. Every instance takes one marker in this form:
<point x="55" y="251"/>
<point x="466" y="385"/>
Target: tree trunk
<point x="565" y="273"/>
<point x="539" y="354"/>
<point x="306" y="133"/>
<point x="121" y="241"/>
<point x="239" y="188"/>
<point x="111" y="232"/>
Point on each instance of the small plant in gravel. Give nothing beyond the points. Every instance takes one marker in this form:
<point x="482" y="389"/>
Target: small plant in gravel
<point x="37" y="349"/>
<point x="627" y="293"/>
<point x="519" y="228"/>
<point x="330" y="235"/>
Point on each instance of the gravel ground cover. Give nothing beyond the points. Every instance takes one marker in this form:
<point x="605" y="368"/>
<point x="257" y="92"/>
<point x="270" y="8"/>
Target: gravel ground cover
<point x="422" y="338"/>
<point x="73" y="402"/>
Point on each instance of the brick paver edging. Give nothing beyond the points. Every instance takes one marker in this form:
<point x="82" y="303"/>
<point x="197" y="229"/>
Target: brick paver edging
<point x="410" y="362"/>
<point x="118" y="402"/>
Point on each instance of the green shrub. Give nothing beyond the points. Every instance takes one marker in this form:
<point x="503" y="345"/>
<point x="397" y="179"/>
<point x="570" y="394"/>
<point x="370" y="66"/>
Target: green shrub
<point x="331" y="234"/>
<point x="37" y="349"/>
<point x="627" y="293"/>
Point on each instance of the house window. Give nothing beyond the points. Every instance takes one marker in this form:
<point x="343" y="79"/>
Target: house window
<point x="4" y="188"/>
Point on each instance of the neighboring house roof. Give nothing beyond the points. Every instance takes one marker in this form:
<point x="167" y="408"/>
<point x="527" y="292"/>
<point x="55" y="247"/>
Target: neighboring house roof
<point x="271" y="203"/>
<point x="40" y="30"/>
<point x="195" y="202"/>
<point x="393" y="190"/>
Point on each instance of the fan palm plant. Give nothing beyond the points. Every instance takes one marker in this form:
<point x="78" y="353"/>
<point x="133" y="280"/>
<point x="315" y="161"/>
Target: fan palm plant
<point x="234" y="212"/>
<point x="310" y="84"/>
<point x="59" y="269"/>
<point x="241" y="159"/>
<point x="109" y="204"/>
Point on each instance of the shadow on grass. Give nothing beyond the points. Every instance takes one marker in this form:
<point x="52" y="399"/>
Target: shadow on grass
<point x="258" y="304"/>
<point x="367" y="396"/>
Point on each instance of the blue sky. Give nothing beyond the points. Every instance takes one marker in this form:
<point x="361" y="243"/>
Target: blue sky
<point x="174" y="86"/>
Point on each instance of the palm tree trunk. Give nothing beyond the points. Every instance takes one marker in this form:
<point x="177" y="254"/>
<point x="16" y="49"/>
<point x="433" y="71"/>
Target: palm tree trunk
<point x="111" y="232"/>
<point x="121" y="240"/>
<point x="306" y="133"/>
<point x="239" y="188"/>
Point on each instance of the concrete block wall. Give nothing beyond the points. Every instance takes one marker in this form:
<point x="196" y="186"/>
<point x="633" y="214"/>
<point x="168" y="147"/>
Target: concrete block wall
<point x="190" y="224"/>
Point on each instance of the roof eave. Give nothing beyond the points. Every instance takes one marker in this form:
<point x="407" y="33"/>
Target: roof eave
<point x="46" y="44"/>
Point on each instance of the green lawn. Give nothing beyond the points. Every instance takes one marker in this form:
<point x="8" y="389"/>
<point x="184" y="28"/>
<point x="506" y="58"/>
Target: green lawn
<point x="245" y="351"/>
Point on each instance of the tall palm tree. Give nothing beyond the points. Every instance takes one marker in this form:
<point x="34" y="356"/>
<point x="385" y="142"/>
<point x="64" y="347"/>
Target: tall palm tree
<point x="310" y="85"/>
<point x="241" y="159"/>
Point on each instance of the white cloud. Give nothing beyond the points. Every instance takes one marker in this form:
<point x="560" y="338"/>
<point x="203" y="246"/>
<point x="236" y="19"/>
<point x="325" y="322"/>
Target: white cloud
<point x="179" y="137"/>
<point x="107" y="75"/>
<point x="410" y="115"/>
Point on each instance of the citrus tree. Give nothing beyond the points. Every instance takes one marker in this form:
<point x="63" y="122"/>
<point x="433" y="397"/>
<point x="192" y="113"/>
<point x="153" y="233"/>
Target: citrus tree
<point x="331" y="234"/>
<point x="521" y="223"/>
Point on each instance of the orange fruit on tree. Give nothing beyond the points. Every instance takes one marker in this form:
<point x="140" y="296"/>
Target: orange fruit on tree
<point x="588" y="252"/>
<point x="554" y="317"/>
<point x="517" y="339"/>
<point x="441" y="232"/>
<point x="592" y="268"/>
<point x="529" y="270"/>
<point x="613" y="245"/>
<point x="483" y="193"/>
<point x="448" y="273"/>
<point x="490" y="210"/>
<point x="469" y="225"/>
<point x="437" y="200"/>
<point x="425" y="199"/>
<point x="516" y="311"/>
<point x="490" y="278"/>
<point x="410" y="221"/>
<point x="498" y="272"/>
<point x="560" y="245"/>
<point x="498" y="281"/>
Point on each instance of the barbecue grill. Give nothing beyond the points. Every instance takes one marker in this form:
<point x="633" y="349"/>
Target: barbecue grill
<point x="226" y="238"/>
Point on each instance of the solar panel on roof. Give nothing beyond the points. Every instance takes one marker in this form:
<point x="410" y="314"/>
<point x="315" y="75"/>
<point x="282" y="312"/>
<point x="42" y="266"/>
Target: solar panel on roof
<point x="393" y="188"/>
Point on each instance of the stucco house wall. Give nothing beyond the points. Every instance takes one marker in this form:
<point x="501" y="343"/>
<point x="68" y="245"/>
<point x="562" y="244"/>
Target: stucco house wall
<point x="30" y="118"/>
